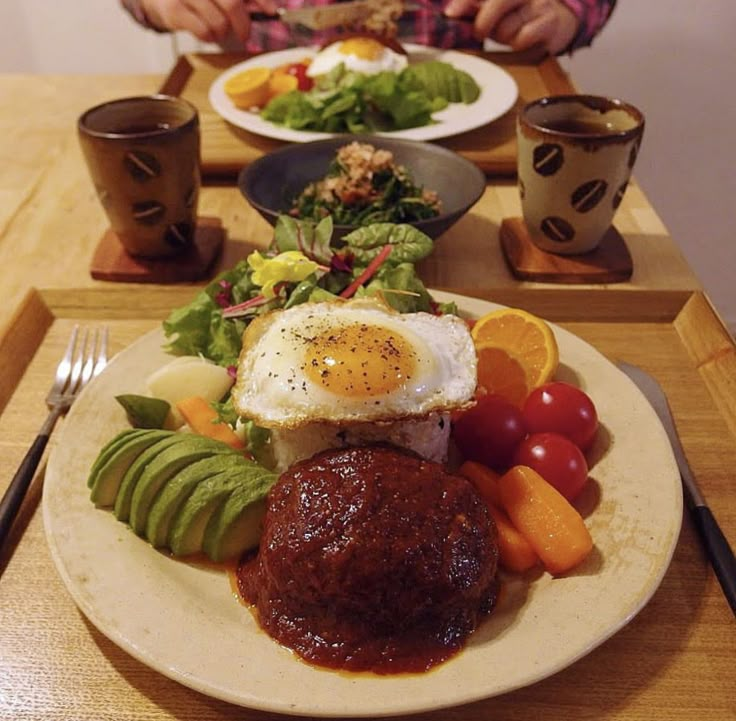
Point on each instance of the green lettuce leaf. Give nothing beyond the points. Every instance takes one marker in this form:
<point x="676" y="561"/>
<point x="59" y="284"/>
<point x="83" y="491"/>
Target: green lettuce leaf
<point x="311" y="239"/>
<point x="199" y="328"/>
<point x="403" y="277"/>
<point x="410" y="244"/>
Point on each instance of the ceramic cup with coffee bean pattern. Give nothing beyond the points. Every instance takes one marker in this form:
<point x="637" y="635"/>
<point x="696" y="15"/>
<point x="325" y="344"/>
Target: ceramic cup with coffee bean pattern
<point x="575" y="155"/>
<point x="143" y="156"/>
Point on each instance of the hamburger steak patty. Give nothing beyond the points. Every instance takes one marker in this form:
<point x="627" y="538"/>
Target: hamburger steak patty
<point x="372" y="559"/>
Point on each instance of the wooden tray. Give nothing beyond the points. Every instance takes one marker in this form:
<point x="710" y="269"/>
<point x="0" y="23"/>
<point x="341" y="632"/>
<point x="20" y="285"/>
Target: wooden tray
<point x="673" y="661"/>
<point x="226" y="149"/>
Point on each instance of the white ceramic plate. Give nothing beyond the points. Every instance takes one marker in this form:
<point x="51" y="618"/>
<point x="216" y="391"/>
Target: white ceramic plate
<point x="184" y="622"/>
<point x="498" y="95"/>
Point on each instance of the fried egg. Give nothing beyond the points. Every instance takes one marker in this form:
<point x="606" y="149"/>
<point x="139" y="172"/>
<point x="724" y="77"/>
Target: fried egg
<point x="360" y="54"/>
<point x="352" y="362"/>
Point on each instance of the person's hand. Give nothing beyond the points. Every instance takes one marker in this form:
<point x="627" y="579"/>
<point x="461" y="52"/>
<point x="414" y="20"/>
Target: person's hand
<point x="208" y="20"/>
<point x="520" y="23"/>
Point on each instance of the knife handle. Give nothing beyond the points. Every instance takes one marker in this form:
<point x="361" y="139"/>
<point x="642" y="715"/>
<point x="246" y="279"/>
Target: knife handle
<point x="719" y="551"/>
<point x="259" y="17"/>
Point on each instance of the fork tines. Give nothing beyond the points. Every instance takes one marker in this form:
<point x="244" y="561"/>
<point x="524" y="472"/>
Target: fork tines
<point x="86" y="355"/>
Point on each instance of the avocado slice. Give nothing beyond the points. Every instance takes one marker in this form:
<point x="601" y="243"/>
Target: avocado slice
<point x="144" y="411"/>
<point x="109" y="473"/>
<point x="236" y="526"/>
<point x="177" y="489"/>
<point x="107" y="450"/>
<point x="166" y="464"/>
<point x="133" y="474"/>
<point x="188" y="525"/>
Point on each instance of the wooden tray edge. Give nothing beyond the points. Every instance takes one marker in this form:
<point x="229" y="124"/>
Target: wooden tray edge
<point x="713" y="350"/>
<point x="178" y="76"/>
<point x="19" y="341"/>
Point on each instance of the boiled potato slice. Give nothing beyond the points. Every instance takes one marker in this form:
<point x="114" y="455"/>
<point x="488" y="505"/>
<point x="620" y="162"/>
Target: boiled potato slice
<point x="188" y="376"/>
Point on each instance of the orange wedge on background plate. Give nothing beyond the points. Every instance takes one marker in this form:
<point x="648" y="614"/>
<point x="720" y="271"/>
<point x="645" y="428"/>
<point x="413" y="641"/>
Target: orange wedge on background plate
<point x="513" y="344"/>
<point x="248" y="89"/>
<point x="281" y="83"/>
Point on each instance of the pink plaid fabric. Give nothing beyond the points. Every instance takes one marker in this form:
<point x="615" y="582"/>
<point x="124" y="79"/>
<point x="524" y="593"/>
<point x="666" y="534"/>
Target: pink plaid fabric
<point x="426" y="26"/>
<point x="593" y="15"/>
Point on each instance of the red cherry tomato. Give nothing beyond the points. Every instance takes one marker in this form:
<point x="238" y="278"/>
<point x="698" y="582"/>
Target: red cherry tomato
<point x="562" y="408"/>
<point x="489" y="431"/>
<point x="557" y="459"/>
<point x="299" y="71"/>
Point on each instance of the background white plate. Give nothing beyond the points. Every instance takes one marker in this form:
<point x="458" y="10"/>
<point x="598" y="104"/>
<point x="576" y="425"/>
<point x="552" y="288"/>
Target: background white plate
<point x="184" y="622"/>
<point x="498" y="95"/>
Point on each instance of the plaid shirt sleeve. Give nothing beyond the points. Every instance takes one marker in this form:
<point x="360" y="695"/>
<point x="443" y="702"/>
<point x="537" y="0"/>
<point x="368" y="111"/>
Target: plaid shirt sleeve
<point x="593" y="15"/>
<point x="425" y="26"/>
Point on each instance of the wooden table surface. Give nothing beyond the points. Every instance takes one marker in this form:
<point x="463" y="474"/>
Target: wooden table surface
<point x="675" y="660"/>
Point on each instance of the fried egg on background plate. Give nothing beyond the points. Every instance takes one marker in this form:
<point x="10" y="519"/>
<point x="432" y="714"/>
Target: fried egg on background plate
<point x="352" y="362"/>
<point x="360" y="54"/>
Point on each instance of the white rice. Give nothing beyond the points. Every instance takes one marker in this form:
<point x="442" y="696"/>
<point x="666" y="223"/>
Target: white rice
<point x="428" y="437"/>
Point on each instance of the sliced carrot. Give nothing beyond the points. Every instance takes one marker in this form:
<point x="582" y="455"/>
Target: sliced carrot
<point x="515" y="553"/>
<point x="203" y="419"/>
<point x="484" y="479"/>
<point x="554" y="529"/>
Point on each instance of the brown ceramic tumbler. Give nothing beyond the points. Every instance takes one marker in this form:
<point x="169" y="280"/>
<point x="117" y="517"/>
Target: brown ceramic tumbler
<point x="143" y="156"/>
<point x="575" y="155"/>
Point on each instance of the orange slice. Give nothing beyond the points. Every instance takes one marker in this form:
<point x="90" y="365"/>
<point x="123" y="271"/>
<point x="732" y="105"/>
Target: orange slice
<point x="248" y="89"/>
<point x="528" y="340"/>
<point x="281" y="83"/>
<point x="500" y="373"/>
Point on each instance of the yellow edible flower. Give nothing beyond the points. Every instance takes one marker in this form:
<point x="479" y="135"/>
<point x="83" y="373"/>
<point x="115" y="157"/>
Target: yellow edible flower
<point x="291" y="266"/>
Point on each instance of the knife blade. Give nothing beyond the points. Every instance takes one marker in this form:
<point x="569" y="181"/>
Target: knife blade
<point x="322" y="17"/>
<point x="716" y="544"/>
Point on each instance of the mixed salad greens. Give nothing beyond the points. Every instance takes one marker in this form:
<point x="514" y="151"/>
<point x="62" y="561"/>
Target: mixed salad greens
<point x="302" y="264"/>
<point x="362" y="186"/>
<point x="344" y="101"/>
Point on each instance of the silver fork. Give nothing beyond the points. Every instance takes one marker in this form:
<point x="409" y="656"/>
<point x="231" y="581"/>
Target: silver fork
<point x="85" y="357"/>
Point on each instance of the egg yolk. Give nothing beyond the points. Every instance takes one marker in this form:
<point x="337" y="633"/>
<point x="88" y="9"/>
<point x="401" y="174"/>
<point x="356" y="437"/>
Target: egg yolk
<point x="364" y="48"/>
<point x="360" y="360"/>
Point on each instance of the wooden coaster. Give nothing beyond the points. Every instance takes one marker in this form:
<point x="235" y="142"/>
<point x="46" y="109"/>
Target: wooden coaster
<point x="610" y="262"/>
<point x="111" y="262"/>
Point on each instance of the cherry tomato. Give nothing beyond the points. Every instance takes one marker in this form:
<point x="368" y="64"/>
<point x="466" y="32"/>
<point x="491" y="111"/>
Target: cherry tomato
<point x="557" y="459"/>
<point x="562" y="408"/>
<point x="489" y="431"/>
<point x="299" y="71"/>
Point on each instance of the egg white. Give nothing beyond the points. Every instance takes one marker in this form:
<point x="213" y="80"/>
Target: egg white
<point x="331" y="56"/>
<point x="273" y="389"/>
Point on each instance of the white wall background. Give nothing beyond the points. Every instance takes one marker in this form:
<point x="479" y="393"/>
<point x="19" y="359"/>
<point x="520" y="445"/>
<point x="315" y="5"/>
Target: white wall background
<point x="674" y="59"/>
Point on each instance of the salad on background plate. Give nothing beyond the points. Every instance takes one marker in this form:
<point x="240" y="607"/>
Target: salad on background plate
<point x="497" y="93"/>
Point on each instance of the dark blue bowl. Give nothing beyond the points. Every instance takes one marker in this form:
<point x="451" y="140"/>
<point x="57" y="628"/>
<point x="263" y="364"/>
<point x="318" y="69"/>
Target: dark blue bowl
<point x="274" y="180"/>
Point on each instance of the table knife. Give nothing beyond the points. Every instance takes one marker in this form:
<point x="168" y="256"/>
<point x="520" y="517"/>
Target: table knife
<point x="716" y="544"/>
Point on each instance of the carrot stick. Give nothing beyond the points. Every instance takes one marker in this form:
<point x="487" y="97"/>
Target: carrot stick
<point x="484" y="479"/>
<point x="203" y="419"/>
<point x="515" y="553"/>
<point x="554" y="529"/>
